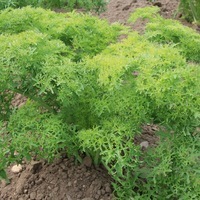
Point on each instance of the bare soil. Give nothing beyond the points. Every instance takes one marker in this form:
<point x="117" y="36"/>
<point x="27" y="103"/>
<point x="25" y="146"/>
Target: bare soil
<point x="120" y="10"/>
<point x="63" y="179"/>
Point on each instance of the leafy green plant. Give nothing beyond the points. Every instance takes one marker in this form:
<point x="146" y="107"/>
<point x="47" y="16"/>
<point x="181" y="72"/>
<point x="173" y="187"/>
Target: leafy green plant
<point x="163" y="82"/>
<point x="96" y="5"/>
<point x="46" y="133"/>
<point x="171" y="169"/>
<point x="155" y="78"/>
<point x="38" y="60"/>
<point x="82" y="34"/>
<point x="5" y="160"/>
<point x="90" y="93"/>
<point x="169" y="31"/>
<point x="190" y="10"/>
<point x="31" y="58"/>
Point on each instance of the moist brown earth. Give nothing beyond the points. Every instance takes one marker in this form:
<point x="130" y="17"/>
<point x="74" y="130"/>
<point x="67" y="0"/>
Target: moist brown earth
<point x="64" y="179"/>
<point x="120" y="10"/>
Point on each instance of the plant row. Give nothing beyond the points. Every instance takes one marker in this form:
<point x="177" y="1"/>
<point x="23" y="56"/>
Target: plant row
<point x="90" y="92"/>
<point x="96" y="5"/>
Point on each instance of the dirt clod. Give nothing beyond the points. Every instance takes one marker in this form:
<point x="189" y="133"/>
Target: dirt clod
<point x="33" y="195"/>
<point x="35" y="167"/>
<point x="159" y="4"/>
<point x="20" y="182"/>
<point x="87" y="161"/>
<point x="108" y="188"/>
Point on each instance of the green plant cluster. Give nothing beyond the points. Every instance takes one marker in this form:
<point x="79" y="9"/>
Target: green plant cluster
<point x="190" y="10"/>
<point x="172" y="171"/>
<point x="96" y="5"/>
<point x="168" y="31"/>
<point x="90" y="92"/>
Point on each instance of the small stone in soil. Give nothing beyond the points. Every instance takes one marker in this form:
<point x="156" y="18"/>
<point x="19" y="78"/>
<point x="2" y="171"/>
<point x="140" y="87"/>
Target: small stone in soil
<point x="75" y="182"/>
<point x="69" y="184"/>
<point x="144" y="144"/>
<point x="49" y="188"/>
<point x="25" y="191"/>
<point x="16" y="169"/>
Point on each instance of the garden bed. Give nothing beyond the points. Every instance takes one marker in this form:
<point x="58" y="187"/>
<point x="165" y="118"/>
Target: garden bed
<point x="65" y="179"/>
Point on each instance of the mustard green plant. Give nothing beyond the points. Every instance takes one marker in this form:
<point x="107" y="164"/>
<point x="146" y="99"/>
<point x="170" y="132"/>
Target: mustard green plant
<point x="190" y="10"/>
<point x="89" y="93"/>
<point x="96" y="5"/>
<point x="169" y="31"/>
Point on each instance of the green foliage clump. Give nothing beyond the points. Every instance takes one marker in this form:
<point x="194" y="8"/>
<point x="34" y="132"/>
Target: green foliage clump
<point x="46" y="134"/>
<point x="164" y="78"/>
<point x="96" y="5"/>
<point x="165" y="89"/>
<point x="40" y="59"/>
<point x="190" y="10"/>
<point x="83" y="34"/>
<point x="171" y="170"/>
<point x="90" y="93"/>
<point x="169" y="31"/>
<point x="4" y="150"/>
<point x="45" y="43"/>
